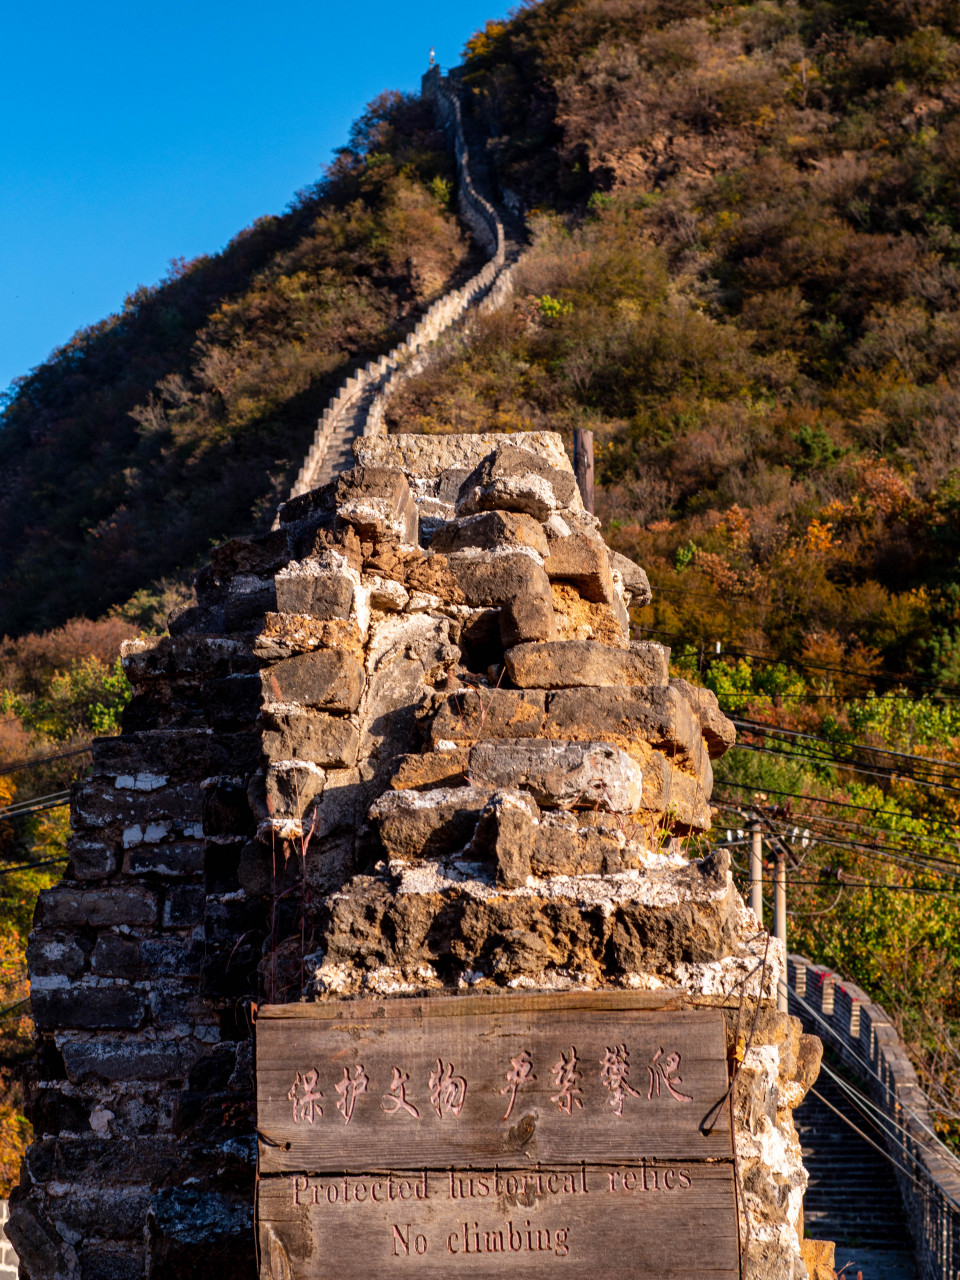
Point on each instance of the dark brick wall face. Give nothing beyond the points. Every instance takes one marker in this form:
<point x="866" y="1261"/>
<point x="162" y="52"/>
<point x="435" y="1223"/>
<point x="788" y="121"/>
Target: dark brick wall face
<point x="142" y="985"/>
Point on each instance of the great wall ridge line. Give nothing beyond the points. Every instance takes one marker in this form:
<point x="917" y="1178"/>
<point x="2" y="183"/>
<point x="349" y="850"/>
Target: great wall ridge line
<point x="867" y="1042"/>
<point x="359" y="404"/>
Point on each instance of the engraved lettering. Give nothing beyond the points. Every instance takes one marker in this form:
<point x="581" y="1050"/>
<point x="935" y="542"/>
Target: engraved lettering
<point x="614" y="1070"/>
<point x="663" y="1072"/>
<point x="350" y="1088"/>
<point x="396" y="1099"/>
<point x="566" y="1076"/>
<point x="402" y="1240"/>
<point x="300" y="1183"/>
<point x="447" y="1091"/>
<point x="305" y="1097"/>
<point x="520" y="1073"/>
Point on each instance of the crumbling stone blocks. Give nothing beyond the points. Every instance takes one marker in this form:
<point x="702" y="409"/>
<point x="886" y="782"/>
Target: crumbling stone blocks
<point x="585" y="562"/>
<point x="415" y="824"/>
<point x="718" y="732"/>
<point x="490" y="578"/>
<point x="329" y="679"/>
<point x="327" y="740"/>
<point x="491" y="531"/>
<point x="577" y="775"/>
<point x="511" y="479"/>
<point x="315" y="589"/>
<point x="377" y="503"/>
<point x="527" y="617"/>
<point x="567" y="664"/>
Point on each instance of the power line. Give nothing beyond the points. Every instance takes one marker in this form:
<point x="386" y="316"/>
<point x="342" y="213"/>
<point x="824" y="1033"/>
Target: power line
<point x="16" y="867"/>
<point x="53" y="801"/>
<point x="754" y="726"/>
<point x="945" y="690"/>
<point x="38" y="760"/>
<point x="879" y="771"/>
<point x="841" y="804"/>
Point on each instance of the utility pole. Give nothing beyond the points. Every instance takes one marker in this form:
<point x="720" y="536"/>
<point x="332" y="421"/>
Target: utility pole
<point x="583" y="465"/>
<point x="756" y="872"/>
<point x="780" y="918"/>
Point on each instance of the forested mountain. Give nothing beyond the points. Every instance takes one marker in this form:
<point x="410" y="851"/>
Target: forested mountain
<point x="744" y="276"/>
<point x="182" y="420"/>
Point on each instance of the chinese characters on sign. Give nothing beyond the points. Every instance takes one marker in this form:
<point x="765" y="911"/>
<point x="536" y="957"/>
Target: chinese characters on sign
<point x="447" y="1091"/>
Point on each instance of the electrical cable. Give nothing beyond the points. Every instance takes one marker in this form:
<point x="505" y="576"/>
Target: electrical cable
<point x="53" y="801"/>
<point x="839" y="804"/>
<point x="878" y="771"/>
<point x="754" y="726"/>
<point x="38" y="760"/>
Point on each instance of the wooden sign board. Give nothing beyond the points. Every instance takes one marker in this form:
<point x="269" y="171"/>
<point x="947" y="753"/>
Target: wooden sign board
<point x="435" y="1135"/>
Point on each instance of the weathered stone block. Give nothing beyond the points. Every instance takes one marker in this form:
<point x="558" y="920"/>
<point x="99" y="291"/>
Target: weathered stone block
<point x="99" y="908"/>
<point x="434" y="769"/>
<point x="718" y="732"/>
<point x="475" y="714"/>
<point x="188" y="657"/>
<point x="525" y="618"/>
<point x="285" y="789"/>
<point x="491" y="530"/>
<point x="184" y="906"/>
<point x="317" y="595"/>
<point x="683" y="800"/>
<point x="628" y="718"/>
<point x="504" y="834"/>
<point x="263" y="554"/>
<point x="54" y="952"/>
<point x="127" y="1059"/>
<point x="328" y="678"/>
<point x="166" y="861"/>
<point x="415" y="824"/>
<point x="512" y="479"/>
<point x="86" y="1004"/>
<point x="489" y="579"/>
<point x="586" y="775"/>
<point x="323" y="739"/>
<point x="634" y="579"/>
<point x="200" y="1232"/>
<point x="567" y="664"/>
<point x="378" y="504"/>
<point x="584" y="562"/>
<point x="691" y="921"/>
<point x="90" y="859"/>
<point x="562" y="846"/>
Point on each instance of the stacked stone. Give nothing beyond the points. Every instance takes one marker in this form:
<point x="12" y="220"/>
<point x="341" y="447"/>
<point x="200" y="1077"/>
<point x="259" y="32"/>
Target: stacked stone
<point x="140" y="963"/>
<point x="403" y="743"/>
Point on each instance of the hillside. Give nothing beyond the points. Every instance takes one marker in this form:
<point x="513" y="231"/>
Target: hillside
<point x="744" y="276"/>
<point x="181" y="420"/>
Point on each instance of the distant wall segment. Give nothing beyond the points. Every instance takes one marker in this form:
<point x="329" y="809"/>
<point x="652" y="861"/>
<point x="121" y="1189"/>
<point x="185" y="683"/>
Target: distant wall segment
<point x="866" y="1041"/>
<point x="359" y="405"/>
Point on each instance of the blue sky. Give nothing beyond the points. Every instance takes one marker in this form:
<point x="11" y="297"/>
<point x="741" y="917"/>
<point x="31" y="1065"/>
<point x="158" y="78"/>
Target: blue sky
<point x="132" y="133"/>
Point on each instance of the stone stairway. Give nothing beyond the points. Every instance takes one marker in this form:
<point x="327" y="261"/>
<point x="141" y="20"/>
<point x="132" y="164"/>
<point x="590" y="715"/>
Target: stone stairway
<point x="852" y="1197"/>
<point x="359" y="405"/>
<point x="349" y="425"/>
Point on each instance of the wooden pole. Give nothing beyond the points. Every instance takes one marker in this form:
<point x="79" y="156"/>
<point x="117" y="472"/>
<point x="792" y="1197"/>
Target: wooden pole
<point x="780" y="918"/>
<point x="756" y="872"/>
<point x="583" y="465"/>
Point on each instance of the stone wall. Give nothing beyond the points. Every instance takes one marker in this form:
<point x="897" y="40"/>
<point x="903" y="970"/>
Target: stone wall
<point x="866" y="1040"/>
<point x="403" y="743"/>
<point x="359" y="404"/>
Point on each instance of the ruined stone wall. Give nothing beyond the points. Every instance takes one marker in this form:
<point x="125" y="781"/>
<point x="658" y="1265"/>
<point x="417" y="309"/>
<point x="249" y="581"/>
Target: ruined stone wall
<point x="404" y="743"/>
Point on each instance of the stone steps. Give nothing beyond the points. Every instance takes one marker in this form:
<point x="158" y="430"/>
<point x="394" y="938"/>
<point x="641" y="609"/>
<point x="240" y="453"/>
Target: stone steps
<point x="358" y="407"/>
<point x="852" y="1197"/>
